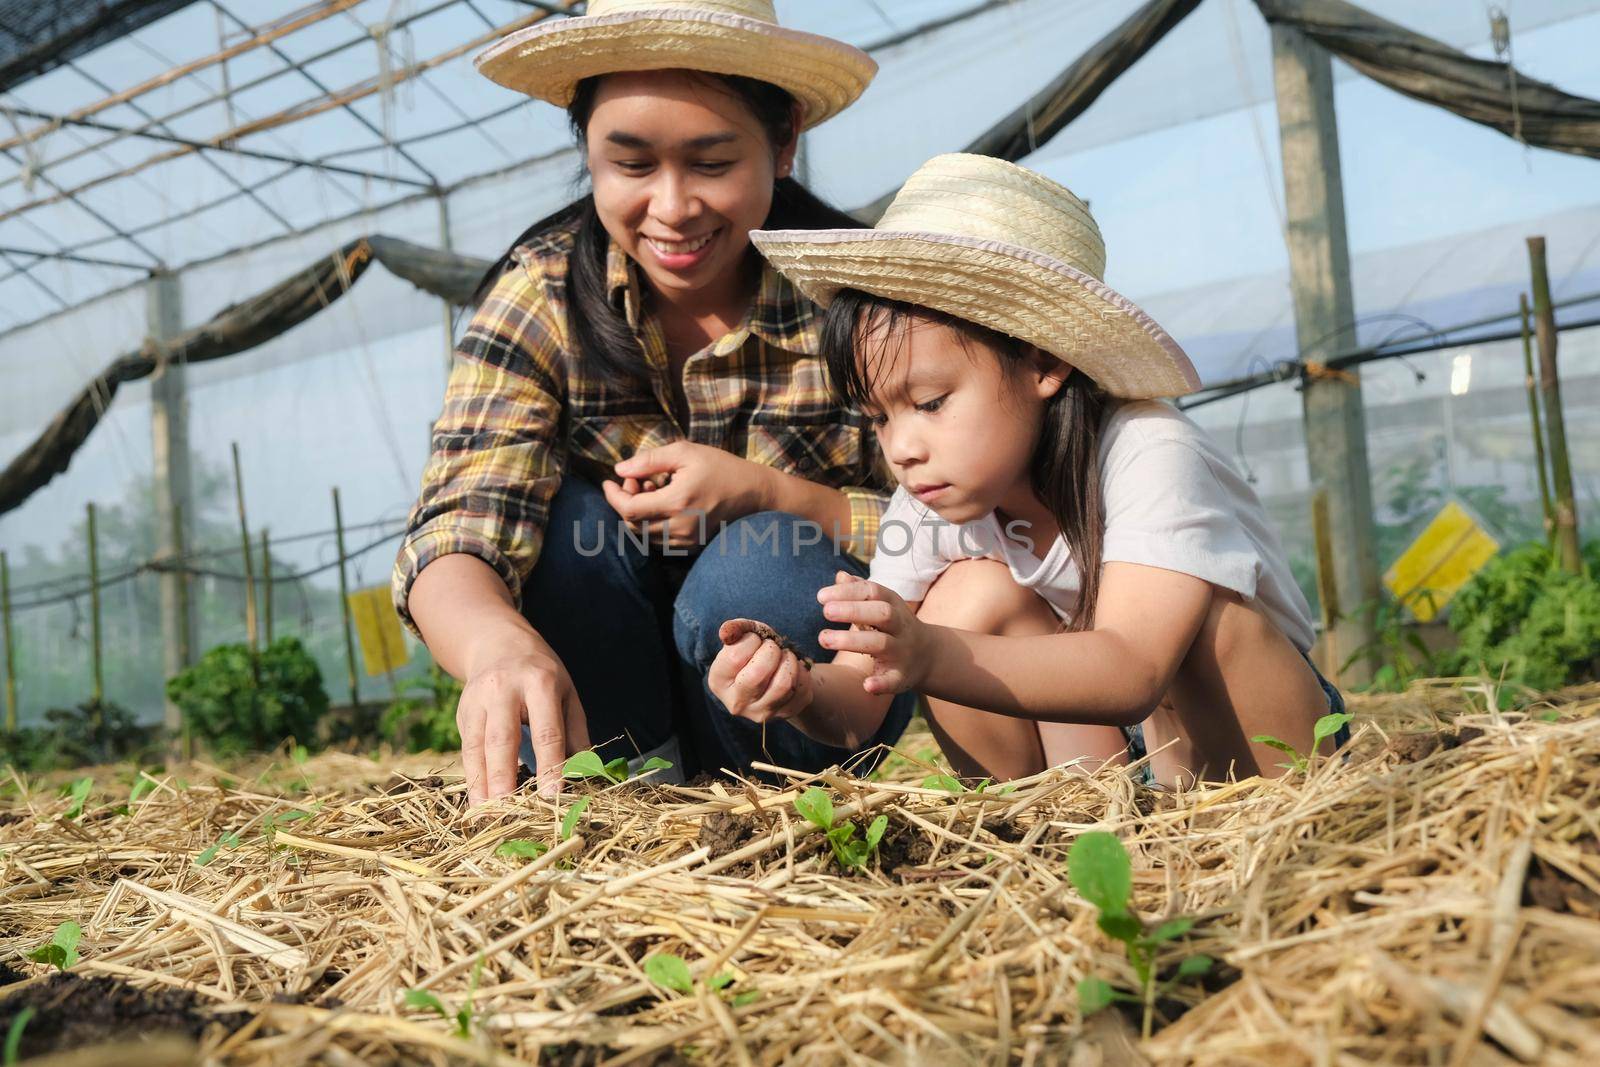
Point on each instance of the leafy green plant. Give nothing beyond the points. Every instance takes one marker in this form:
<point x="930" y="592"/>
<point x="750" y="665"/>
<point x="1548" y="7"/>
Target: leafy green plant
<point x="816" y="807"/>
<point x="243" y="702"/>
<point x="1101" y="872"/>
<point x="520" y="849"/>
<point x="61" y="951"/>
<point x="1324" y="727"/>
<point x="208" y="854"/>
<point x="463" y="1016"/>
<point x="79" y="792"/>
<point x="1401" y="654"/>
<point x="588" y="764"/>
<point x="569" y="821"/>
<point x="1524" y="620"/>
<point x="424" y="718"/>
<point x="670" y="972"/>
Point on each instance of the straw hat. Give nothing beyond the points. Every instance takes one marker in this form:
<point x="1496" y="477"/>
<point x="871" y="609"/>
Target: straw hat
<point x="549" y="59"/>
<point x="999" y="245"/>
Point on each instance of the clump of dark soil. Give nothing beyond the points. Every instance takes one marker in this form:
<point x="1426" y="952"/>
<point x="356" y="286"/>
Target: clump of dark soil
<point x="903" y="845"/>
<point x="1416" y="747"/>
<point x="723" y="832"/>
<point x="399" y="783"/>
<point x="73" y="1012"/>
<point x="1553" y="889"/>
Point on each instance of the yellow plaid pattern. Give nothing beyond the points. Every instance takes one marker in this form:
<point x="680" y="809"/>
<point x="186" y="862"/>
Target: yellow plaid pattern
<point x="520" y="411"/>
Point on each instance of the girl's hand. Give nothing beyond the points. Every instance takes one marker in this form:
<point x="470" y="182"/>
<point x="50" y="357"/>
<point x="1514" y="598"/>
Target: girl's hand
<point x="697" y="488"/>
<point x="498" y="698"/>
<point x="885" y="629"/>
<point x="755" y="677"/>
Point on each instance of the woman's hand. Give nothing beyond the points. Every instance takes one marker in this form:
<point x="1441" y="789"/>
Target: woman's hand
<point x="684" y="492"/>
<point x="497" y="699"/>
<point x="755" y="677"/>
<point x="886" y="630"/>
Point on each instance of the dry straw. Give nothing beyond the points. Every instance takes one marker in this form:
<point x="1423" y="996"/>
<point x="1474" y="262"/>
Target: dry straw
<point x="1432" y="901"/>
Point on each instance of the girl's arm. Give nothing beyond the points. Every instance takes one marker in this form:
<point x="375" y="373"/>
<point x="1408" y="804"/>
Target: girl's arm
<point x="1145" y="620"/>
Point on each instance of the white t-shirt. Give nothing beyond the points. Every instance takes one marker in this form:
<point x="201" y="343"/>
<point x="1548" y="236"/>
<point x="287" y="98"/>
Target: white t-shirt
<point x="1172" y="500"/>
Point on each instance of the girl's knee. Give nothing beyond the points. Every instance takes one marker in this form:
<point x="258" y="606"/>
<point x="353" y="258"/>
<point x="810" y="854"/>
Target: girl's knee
<point x="981" y="596"/>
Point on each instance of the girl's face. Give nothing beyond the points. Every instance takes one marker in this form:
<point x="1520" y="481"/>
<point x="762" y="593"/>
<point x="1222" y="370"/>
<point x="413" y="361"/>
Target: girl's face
<point x="682" y="172"/>
<point x="957" y="421"/>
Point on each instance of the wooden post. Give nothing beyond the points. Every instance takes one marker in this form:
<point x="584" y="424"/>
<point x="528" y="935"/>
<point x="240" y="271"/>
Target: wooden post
<point x="449" y="310"/>
<point x="266" y="587"/>
<point x="172" y="486"/>
<point x="249" y="567"/>
<point x="11" y="647"/>
<point x="344" y="606"/>
<point x="1538" y="428"/>
<point x="1567" y="545"/>
<point x="1319" y="271"/>
<point x="98" y="667"/>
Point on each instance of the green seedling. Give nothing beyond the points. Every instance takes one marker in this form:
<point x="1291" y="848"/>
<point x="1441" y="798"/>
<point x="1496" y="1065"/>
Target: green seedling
<point x="462" y="1016"/>
<point x="589" y="765"/>
<point x="1101" y="872"/>
<point x="79" y="792"/>
<point x="672" y="973"/>
<point x="522" y="850"/>
<point x="943" y="781"/>
<point x="1325" y="727"/>
<point x="61" y="951"/>
<point x="569" y="821"/>
<point x="816" y="808"/>
<point x="13" y="1047"/>
<point x="210" y="853"/>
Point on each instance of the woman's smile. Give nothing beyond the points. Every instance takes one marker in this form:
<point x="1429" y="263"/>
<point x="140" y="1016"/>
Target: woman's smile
<point x="682" y="256"/>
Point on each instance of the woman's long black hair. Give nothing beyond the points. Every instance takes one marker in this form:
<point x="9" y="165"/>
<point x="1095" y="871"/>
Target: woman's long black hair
<point x="598" y="330"/>
<point x="1065" y="472"/>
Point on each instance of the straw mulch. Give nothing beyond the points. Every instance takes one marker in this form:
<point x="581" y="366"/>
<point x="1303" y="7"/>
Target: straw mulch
<point x="1434" y="900"/>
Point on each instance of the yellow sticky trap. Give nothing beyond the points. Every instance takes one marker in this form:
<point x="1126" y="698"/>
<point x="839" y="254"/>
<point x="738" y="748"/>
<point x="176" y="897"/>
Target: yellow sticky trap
<point x="1440" y="561"/>
<point x="383" y="644"/>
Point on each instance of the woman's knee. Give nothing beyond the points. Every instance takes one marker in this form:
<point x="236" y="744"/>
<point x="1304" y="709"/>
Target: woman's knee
<point x="981" y="596"/>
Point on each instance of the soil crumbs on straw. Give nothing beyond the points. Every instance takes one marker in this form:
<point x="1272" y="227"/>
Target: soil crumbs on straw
<point x="1435" y="899"/>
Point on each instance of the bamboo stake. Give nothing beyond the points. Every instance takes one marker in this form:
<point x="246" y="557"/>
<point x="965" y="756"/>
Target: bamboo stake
<point x="11" y="646"/>
<point x="1567" y="545"/>
<point x="266" y="586"/>
<point x="98" y="669"/>
<point x="1538" y="428"/>
<point x="249" y="568"/>
<point x="344" y="607"/>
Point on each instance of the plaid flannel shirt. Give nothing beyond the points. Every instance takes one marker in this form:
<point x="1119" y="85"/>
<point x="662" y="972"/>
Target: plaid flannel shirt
<point x="520" y="410"/>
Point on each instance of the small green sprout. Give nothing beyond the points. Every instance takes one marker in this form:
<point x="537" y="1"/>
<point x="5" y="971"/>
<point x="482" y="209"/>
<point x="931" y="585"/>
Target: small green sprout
<point x="587" y="764"/>
<point x="817" y="809"/>
<point x="144" y="785"/>
<point x="670" y="972"/>
<point x="79" y="792"/>
<point x="1100" y="871"/>
<point x="523" y="850"/>
<point x="13" y="1047"/>
<point x="462" y="1016"/>
<point x="943" y="781"/>
<point x="569" y="821"/>
<point x="61" y="951"/>
<point x="210" y="853"/>
<point x="1325" y="727"/>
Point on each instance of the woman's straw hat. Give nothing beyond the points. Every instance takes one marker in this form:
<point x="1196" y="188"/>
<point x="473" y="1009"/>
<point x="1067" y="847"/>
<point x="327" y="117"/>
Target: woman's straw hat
<point x="996" y="244"/>
<point x="549" y="59"/>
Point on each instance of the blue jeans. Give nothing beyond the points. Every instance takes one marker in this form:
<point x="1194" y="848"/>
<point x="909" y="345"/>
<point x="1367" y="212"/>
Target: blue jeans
<point x="637" y="631"/>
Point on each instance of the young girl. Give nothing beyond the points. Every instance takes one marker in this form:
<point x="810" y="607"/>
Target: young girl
<point x="1067" y="557"/>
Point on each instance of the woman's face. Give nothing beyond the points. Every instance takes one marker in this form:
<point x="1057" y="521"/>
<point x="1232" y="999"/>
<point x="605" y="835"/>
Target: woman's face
<point x="682" y="172"/>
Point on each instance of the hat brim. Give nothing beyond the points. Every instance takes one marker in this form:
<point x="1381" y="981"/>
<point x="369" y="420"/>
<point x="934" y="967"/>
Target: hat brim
<point x="549" y="59"/>
<point x="1005" y="287"/>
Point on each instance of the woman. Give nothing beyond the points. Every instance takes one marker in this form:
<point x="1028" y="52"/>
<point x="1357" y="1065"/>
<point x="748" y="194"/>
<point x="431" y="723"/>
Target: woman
<point x="638" y="440"/>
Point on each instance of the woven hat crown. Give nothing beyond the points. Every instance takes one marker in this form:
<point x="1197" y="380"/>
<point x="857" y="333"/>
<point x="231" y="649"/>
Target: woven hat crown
<point x="761" y="10"/>
<point x="992" y="200"/>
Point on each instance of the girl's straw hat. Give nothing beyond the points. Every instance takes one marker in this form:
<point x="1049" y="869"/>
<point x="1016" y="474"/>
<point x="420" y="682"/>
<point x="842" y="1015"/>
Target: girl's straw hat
<point x="743" y="37"/>
<point x="996" y="244"/>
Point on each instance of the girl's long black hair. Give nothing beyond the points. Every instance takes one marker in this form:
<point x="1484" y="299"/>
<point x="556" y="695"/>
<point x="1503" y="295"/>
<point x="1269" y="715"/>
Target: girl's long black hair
<point x="1065" y="472"/>
<point x="598" y="330"/>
